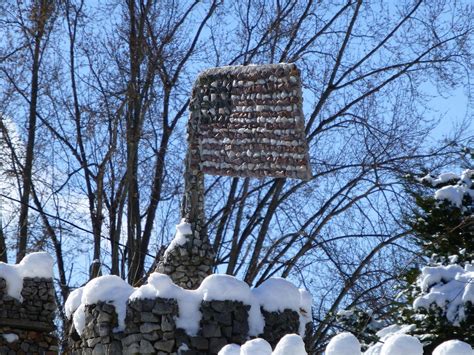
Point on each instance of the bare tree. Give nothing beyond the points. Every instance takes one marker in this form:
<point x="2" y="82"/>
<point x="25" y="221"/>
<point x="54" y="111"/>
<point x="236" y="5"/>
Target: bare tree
<point x="34" y="22"/>
<point x="106" y="121"/>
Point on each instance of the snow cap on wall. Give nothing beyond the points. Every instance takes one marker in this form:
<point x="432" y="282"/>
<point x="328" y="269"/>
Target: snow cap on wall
<point x="272" y="295"/>
<point x="39" y="264"/>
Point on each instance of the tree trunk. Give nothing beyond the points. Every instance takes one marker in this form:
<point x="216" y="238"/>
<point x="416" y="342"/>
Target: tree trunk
<point x="39" y="20"/>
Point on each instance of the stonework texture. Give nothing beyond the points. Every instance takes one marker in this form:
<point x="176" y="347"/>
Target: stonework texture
<point x="27" y="327"/>
<point x="249" y="122"/>
<point x="190" y="263"/>
<point x="244" y="121"/>
<point x="151" y="328"/>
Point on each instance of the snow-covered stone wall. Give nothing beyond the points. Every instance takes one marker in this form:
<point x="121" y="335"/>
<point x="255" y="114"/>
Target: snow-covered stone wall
<point x="111" y="317"/>
<point x="27" y="306"/>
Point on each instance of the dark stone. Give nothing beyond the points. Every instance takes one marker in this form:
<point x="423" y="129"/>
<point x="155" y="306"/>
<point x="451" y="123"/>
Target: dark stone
<point x="147" y="305"/>
<point x="216" y="344"/>
<point x="163" y="307"/>
<point x="278" y="324"/>
<point x="223" y="318"/>
<point x="146" y="347"/>
<point x="98" y="350"/>
<point x="240" y="327"/>
<point x="132" y="338"/>
<point x="211" y="330"/>
<point x="199" y="343"/>
<point x="108" y="308"/>
<point x="166" y="345"/>
<point x="149" y="327"/>
<point x="187" y="352"/>
<point x="114" y="348"/>
<point x="219" y="306"/>
<point x="168" y="324"/>
<point x="227" y="332"/>
<point x="148" y="317"/>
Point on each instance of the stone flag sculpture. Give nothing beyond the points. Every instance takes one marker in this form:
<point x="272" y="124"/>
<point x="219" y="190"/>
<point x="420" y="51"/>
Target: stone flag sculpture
<point x="245" y="121"/>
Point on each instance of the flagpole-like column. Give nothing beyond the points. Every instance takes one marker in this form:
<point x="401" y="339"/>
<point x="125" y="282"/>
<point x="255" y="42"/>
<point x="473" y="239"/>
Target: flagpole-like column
<point x="245" y="121"/>
<point x="189" y="258"/>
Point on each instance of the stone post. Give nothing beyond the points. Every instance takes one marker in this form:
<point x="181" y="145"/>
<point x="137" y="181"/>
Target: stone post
<point x="189" y="263"/>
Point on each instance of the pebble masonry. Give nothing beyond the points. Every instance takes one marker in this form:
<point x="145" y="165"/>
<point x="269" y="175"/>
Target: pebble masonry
<point x="27" y="327"/>
<point x="248" y="122"/>
<point x="244" y="121"/>
<point x="150" y="328"/>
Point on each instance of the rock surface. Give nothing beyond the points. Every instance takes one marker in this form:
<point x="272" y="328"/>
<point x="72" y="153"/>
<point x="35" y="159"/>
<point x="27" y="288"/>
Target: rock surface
<point x="27" y="327"/>
<point x="151" y="328"/>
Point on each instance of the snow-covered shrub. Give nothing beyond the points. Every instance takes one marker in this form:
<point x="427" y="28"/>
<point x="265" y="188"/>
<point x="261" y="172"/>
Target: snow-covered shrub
<point x="450" y="288"/>
<point x="440" y="297"/>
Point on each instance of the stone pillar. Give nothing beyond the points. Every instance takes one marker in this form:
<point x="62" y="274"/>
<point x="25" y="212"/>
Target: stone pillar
<point x="189" y="263"/>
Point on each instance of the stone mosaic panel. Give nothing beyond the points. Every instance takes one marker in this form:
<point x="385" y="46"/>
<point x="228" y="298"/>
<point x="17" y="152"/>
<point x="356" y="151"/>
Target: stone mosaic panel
<point x="248" y="122"/>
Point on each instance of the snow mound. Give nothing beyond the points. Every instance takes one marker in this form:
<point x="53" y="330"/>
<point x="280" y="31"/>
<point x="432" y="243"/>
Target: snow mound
<point x="386" y="333"/>
<point x="79" y="319"/>
<point x="73" y="302"/>
<point x="306" y="302"/>
<point x="158" y="285"/>
<point x="190" y="316"/>
<point x="290" y="344"/>
<point x="230" y="349"/>
<point x="110" y="289"/>
<point x="278" y="294"/>
<point x="183" y="229"/>
<point x="447" y="287"/>
<point x="374" y="349"/>
<point x="224" y="287"/>
<point x="453" y="347"/>
<point x="393" y="341"/>
<point x="402" y="344"/>
<point x="343" y="344"/>
<point x="38" y="264"/>
<point x="256" y="347"/>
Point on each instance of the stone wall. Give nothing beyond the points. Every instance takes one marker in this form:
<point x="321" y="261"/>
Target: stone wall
<point x="150" y="328"/>
<point x="27" y="327"/>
